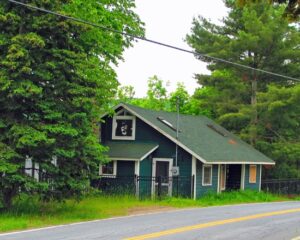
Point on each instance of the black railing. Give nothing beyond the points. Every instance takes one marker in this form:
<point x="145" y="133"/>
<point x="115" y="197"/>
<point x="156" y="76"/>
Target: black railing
<point x="145" y="186"/>
<point x="281" y="186"/>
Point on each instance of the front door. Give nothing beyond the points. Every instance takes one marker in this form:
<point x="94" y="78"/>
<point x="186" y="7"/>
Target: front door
<point x="162" y="176"/>
<point x="233" y="177"/>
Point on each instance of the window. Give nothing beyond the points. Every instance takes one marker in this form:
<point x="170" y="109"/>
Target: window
<point x="123" y="128"/>
<point x="28" y="166"/>
<point x="108" y="169"/>
<point x="207" y="175"/>
<point x="164" y="121"/>
<point x="252" y="173"/>
<point x="32" y="169"/>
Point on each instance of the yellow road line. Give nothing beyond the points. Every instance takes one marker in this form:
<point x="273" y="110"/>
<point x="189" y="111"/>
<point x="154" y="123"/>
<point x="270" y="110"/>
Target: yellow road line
<point x="211" y="224"/>
<point x="296" y="238"/>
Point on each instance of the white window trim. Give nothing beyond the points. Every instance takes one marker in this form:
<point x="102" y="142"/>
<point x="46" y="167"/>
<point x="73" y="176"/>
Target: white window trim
<point x="211" y="168"/>
<point x="220" y="188"/>
<point x="114" y="126"/>
<point x="194" y="173"/>
<point x="243" y="177"/>
<point x="250" y="174"/>
<point x="108" y="175"/>
<point x="260" y="172"/>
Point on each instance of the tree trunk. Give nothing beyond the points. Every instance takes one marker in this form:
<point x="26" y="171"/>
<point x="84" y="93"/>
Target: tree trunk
<point x="8" y="195"/>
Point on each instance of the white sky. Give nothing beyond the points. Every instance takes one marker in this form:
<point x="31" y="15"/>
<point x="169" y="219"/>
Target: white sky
<point x="166" y="21"/>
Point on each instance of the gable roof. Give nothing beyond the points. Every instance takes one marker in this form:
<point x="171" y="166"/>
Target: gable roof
<point x="201" y="137"/>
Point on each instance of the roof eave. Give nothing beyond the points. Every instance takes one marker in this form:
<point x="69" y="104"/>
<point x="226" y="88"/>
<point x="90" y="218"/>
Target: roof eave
<point x="241" y="162"/>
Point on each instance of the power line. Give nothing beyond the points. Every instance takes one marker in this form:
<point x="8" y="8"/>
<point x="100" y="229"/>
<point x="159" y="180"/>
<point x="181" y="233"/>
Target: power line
<point x="153" y="41"/>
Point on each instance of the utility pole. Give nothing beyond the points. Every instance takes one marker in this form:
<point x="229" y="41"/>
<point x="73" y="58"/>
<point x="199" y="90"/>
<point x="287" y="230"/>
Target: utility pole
<point x="177" y="129"/>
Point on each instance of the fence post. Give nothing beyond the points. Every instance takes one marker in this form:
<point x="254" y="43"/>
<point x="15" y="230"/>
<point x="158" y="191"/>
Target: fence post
<point x="177" y="194"/>
<point x="159" y="187"/>
<point x="137" y="189"/>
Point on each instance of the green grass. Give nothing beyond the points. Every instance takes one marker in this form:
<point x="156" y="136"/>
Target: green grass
<point x="28" y="212"/>
<point x="235" y="197"/>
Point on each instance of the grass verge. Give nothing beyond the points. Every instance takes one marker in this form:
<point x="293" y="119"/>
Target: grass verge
<point x="28" y="212"/>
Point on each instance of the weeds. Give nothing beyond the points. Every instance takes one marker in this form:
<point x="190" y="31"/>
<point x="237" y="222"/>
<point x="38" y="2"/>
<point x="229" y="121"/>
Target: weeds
<point x="29" y="212"/>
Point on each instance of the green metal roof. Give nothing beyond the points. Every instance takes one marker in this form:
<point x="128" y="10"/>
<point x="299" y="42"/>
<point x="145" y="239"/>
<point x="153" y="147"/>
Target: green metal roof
<point x="202" y="137"/>
<point x="130" y="150"/>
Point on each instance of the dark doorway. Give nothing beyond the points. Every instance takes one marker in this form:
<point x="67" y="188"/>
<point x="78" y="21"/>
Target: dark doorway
<point x="162" y="178"/>
<point x="162" y="169"/>
<point x="233" y="177"/>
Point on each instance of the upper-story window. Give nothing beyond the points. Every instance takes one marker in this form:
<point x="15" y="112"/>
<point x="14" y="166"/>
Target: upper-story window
<point x="123" y="127"/>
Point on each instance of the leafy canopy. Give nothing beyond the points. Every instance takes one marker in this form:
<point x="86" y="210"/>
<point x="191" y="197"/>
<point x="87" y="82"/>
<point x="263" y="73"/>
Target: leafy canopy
<point x="56" y="76"/>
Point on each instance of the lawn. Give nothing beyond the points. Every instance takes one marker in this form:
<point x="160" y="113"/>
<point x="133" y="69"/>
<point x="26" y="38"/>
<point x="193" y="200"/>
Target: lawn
<point x="28" y="212"/>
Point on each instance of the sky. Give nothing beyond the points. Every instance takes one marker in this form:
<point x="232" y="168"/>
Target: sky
<point x="167" y="21"/>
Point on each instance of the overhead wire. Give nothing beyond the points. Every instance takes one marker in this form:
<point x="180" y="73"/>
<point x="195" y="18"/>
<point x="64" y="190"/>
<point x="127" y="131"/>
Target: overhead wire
<point x="152" y="41"/>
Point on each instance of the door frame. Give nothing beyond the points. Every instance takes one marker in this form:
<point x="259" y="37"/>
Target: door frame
<point x="224" y="166"/>
<point x="154" y="160"/>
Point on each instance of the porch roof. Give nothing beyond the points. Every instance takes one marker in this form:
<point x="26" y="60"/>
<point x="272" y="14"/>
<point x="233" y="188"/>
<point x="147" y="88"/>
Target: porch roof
<point x="131" y="151"/>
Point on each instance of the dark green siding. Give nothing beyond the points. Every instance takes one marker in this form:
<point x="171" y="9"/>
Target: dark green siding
<point x="252" y="186"/>
<point x="145" y="180"/>
<point x="146" y="167"/>
<point x="167" y="149"/>
<point x="106" y="129"/>
<point x="146" y="133"/>
<point x="125" y="168"/>
<point x="202" y="190"/>
<point x="125" y="181"/>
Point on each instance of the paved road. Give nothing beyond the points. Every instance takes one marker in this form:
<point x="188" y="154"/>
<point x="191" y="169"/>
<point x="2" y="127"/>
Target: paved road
<point x="271" y="221"/>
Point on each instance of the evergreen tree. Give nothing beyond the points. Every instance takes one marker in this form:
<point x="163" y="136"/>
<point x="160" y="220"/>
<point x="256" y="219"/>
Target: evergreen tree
<point x="257" y="36"/>
<point x="55" y="77"/>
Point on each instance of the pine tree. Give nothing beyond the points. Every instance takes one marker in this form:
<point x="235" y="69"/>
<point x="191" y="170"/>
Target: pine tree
<point x="258" y="36"/>
<point x="55" y="77"/>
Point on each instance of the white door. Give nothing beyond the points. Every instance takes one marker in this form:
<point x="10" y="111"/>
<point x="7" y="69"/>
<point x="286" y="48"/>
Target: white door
<point x="161" y="172"/>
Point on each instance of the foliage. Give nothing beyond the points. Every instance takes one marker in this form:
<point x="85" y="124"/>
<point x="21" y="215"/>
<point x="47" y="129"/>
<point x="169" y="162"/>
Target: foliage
<point x="158" y="98"/>
<point x="29" y="212"/>
<point x="279" y="128"/>
<point x="55" y="77"/>
<point x="292" y="10"/>
<point x="125" y="93"/>
<point x="241" y="100"/>
<point x="233" y="197"/>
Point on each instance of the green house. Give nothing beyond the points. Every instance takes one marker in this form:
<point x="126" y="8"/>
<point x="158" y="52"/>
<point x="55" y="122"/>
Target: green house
<point x="149" y="155"/>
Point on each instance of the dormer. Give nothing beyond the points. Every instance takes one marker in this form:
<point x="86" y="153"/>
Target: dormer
<point x="123" y="125"/>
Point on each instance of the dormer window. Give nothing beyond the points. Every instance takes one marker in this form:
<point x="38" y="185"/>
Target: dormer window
<point x="123" y="128"/>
